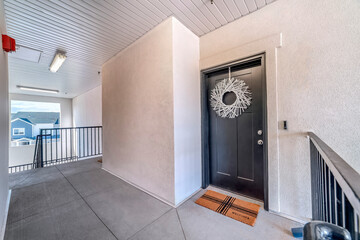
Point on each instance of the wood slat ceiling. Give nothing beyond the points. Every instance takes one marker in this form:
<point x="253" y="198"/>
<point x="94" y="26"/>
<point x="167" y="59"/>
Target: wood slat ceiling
<point x="92" y="31"/>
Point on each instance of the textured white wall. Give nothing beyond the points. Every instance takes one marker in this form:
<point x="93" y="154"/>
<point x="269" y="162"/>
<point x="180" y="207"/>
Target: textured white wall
<point x="151" y="113"/>
<point x="4" y="125"/>
<point x="187" y="117"/>
<point x="318" y="84"/>
<point x="138" y="113"/>
<point x="87" y="108"/>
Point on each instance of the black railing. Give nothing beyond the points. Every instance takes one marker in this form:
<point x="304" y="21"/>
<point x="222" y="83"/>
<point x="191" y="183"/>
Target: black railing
<point x="335" y="188"/>
<point x="61" y="145"/>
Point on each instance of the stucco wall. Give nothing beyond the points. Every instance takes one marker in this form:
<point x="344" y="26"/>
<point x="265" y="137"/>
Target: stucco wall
<point x="151" y="113"/>
<point x="138" y="113"/>
<point x="21" y="155"/>
<point x="4" y="126"/>
<point x="187" y="118"/>
<point x="318" y="83"/>
<point x="87" y="108"/>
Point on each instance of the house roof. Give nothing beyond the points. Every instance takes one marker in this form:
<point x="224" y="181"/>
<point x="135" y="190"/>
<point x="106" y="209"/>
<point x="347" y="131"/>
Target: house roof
<point x="37" y="117"/>
<point x="22" y="140"/>
<point x="25" y="120"/>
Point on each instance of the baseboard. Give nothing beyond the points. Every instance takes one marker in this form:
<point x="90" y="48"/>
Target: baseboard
<point x="179" y="204"/>
<point x="295" y="219"/>
<point x="142" y="189"/>
<point x="3" y="227"/>
<point x="90" y="157"/>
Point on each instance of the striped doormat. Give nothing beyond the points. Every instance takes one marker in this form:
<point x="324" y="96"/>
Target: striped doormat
<point x="237" y="209"/>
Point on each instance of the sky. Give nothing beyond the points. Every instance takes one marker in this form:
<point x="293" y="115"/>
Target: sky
<point x="27" y="106"/>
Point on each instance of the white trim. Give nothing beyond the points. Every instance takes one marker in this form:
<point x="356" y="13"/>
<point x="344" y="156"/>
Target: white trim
<point x="142" y="189"/>
<point x="270" y="45"/>
<point x="18" y="134"/>
<point x="3" y="227"/>
<point x="90" y="157"/>
<point x="22" y="139"/>
<point x="22" y="120"/>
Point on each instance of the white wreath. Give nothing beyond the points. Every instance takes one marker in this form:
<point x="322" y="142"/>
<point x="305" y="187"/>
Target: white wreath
<point x="242" y="102"/>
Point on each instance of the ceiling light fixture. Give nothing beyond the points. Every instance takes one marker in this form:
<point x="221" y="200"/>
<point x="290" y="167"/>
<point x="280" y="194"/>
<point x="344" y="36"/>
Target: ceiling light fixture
<point x="58" y="60"/>
<point x="44" y="90"/>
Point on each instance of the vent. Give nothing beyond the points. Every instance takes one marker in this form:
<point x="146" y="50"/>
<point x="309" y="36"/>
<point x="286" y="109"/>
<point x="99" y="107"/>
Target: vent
<point x="27" y="54"/>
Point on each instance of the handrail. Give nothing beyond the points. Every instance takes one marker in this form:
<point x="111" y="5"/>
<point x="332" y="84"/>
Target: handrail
<point x="64" y="128"/>
<point x="61" y="145"/>
<point x="69" y="144"/>
<point x="347" y="177"/>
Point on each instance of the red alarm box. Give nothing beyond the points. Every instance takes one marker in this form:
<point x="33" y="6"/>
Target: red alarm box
<point x="8" y="43"/>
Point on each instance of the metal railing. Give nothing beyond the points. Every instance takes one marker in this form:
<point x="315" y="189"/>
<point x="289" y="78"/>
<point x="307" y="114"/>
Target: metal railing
<point x="61" y="145"/>
<point x="335" y="188"/>
<point x="20" y="168"/>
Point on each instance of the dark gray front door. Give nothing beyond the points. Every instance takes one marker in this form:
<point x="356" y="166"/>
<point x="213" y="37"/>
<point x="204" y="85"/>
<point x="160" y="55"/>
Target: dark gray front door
<point x="236" y="156"/>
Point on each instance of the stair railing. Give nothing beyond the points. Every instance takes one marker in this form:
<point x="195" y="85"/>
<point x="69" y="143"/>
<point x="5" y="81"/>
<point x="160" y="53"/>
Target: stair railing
<point x="335" y="188"/>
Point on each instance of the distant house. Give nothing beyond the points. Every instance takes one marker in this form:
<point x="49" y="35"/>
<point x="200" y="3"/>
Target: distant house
<point x="26" y="126"/>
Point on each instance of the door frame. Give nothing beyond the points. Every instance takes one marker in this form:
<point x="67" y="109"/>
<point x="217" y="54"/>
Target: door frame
<point x="205" y="137"/>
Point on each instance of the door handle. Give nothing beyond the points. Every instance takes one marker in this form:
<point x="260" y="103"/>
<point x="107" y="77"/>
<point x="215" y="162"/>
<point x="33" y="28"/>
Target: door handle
<point x="260" y="142"/>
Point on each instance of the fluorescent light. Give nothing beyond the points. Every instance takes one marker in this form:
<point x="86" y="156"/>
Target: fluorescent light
<point x="37" y="89"/>
<point x="57" y="62"/>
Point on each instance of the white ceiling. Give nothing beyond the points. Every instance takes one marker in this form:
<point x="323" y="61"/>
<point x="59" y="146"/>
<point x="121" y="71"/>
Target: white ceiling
<point x="92" y="31"/>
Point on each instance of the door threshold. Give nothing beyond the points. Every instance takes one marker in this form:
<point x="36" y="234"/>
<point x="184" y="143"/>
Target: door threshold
<point x="235" y="195"/>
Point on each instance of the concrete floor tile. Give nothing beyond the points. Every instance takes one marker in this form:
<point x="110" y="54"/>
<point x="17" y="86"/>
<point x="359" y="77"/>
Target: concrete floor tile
<point x="17" y="178"/>
<point x="72" y="221"/>
<point x="126" y="210"/>
<point x="72" y="168"/>
<point x="33" y="199"/>
<point x="50" y="208"/>
<point x="166" y="227"/>
<point x="201" y="223"/>
<point x="94" y="181"/>
<point x="40" y="175"/>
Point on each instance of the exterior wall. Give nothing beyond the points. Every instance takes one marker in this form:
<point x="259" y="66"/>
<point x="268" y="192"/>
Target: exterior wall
<point x="21" y="155"/>
<point x="317" y="83"/>
<point x="187" y="118"/>
<point x="39" y="126"/>
<point x="4" y="127"/>
<point x="87" y="108"/>
<point x="138" y="113"/>
<point x="21" y="124"/>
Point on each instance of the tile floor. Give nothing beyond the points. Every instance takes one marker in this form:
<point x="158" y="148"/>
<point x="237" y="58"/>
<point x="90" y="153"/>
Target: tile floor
<point x="79" y="200"/>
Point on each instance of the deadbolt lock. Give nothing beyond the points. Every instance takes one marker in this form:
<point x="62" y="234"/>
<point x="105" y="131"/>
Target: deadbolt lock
<point x="260" y="142"/>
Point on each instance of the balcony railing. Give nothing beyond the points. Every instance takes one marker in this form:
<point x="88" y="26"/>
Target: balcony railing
<point x="60" y="145"/>
<point x="335" y="188"/>
<point x="20" y="168"/>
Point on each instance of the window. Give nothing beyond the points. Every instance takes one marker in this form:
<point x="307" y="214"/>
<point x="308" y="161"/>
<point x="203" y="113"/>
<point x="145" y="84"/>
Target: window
<point x="28" y="117"/>
<point x="18" y="131"/>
